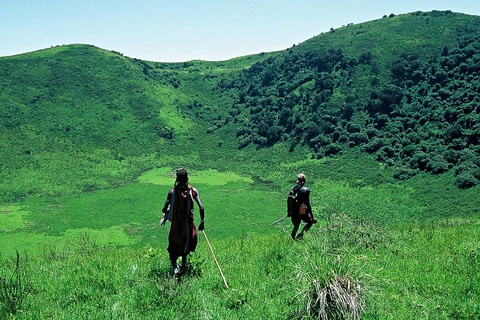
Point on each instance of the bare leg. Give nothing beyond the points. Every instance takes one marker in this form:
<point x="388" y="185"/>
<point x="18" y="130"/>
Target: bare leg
<point x="305" y="229"/>
<point x="294" y="231"/>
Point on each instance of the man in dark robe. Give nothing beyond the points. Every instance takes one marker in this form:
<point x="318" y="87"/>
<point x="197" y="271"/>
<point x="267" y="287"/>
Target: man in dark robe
<point x="301" y="210"/>
<point x="178" y="209"/>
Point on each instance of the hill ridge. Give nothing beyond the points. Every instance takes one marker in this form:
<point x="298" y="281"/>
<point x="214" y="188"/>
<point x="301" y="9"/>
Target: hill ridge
<point x="328" y="94"/>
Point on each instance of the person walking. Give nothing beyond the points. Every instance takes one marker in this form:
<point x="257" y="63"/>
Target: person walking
<point x="179" y="210"/>
<point x="299" y="208"/>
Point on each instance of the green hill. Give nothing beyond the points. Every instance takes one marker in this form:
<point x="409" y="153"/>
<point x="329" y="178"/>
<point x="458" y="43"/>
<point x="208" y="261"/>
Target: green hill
<point x="381" y="116"/>
<point x="404" y="89"/>
<point x="76" y="108"/>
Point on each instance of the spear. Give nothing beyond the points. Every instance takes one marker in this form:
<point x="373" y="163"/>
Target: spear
<point x="215" y="258"/>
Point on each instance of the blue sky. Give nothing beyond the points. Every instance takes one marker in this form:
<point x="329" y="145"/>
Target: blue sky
<point x="181" y="30"/>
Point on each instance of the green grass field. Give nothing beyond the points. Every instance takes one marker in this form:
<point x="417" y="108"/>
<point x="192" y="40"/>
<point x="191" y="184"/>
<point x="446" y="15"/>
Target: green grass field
<point x="102" y="253"/>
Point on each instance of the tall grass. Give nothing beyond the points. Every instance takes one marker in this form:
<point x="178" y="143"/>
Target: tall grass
<point x="345" y="269"/>
<point x="14" y="287"/>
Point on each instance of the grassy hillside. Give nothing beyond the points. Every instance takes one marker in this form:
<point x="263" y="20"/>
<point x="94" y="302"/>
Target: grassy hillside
<point x="419" y="33"/>
<point x="393" y="92"/>
<point x="79" y="111"/>
<point x="382" y="117"/>
<point x="80" y="118"/>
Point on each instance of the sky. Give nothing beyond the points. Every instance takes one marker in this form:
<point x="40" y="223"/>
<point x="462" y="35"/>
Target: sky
<point x="184" y="30"/>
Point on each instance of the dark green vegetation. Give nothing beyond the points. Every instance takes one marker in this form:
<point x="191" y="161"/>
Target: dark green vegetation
<point x="382" y="117"/>
<point x="412" y="110"/>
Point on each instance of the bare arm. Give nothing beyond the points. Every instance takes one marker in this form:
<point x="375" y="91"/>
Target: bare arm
<point x="200" y="205"/>
<point x="167" y="202"/>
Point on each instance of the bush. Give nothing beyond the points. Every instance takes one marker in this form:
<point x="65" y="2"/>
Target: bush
<point x="332" y="149"/>
<point x="467" y="174"/>
<point x="451" y="156"/>
<point x="437" y="165"/>
<point x="374" y="145"/>
<point x="466" y="180"/>
<point x="419" y="160"/>
<point x="403" y="173"/>
<point x="358" y="138"/>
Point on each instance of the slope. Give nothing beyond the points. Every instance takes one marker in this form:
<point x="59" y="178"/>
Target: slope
<point x="404" y="89"/>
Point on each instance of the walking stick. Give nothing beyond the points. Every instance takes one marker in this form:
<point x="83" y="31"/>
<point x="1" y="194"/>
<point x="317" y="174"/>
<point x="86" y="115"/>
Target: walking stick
<point x="215" y="258"/>
<point x="278" y="220"/>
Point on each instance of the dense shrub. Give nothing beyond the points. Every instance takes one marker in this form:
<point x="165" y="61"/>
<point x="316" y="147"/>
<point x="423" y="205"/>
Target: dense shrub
<point x="466" y="180"/>
<point x="404" y="173"/>
<point x="437" y="165"/>
<point x="332" y="149"/>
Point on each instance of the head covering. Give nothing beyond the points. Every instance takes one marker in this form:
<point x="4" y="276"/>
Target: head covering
<point x="301" y="178"/>
<point x="182" y="177"/>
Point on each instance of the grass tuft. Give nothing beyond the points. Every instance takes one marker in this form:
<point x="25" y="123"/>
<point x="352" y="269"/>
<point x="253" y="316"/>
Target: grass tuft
<point x="339" y="298"/>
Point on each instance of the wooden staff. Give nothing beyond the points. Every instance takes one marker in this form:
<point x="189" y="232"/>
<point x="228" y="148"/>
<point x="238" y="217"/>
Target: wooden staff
<point x="215" y="258"/>
<point x="278" y="220"/>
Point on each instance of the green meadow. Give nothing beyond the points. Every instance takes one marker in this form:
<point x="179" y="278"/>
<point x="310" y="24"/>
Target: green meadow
<point x="130" y="215"/>
<point x="103" y="254"/>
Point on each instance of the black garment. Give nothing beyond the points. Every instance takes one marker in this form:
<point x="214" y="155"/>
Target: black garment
<point x="302" y="210"/>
